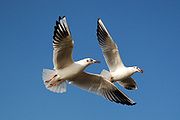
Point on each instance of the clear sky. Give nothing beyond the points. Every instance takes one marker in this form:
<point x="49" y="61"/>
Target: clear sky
<point x="146" y="31"/>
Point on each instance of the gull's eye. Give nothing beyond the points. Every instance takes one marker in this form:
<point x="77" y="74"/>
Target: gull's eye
<point x="91" y="60"/>
<point x="87" y="60"/>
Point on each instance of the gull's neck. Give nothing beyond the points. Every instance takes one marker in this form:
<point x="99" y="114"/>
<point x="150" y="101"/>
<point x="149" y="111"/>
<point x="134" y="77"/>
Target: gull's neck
<point x="81" y="63"/>
<point x="130" y="70"/>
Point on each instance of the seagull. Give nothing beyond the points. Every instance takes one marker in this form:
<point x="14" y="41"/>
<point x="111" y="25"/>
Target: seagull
<point x="65" y="69"/>
<point x="118" y="72"/>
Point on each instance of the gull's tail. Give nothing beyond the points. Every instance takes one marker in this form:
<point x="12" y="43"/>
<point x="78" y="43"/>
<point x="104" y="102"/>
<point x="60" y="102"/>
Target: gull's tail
<point x="47" y="76"/>
<point x="106" y="74"/>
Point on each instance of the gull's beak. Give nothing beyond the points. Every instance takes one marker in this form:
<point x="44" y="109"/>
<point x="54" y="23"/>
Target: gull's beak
<point x="140" y="70"/>
<point x="96" y="61"/>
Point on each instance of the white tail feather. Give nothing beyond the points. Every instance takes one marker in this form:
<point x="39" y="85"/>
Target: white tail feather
<point x="49" y="74"/>
<point x="61" y="88"/>
<point x="106" y="74"/>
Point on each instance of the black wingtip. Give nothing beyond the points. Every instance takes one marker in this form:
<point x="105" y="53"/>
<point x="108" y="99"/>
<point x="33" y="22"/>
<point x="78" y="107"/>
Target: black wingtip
<point x="129" y="104"/>
<point x="60" y="18"/>
<point x="132" y="87"/>
<point x="57" y="22"/>
<point x="134" y="103"/>
<point x="123" y="99"/>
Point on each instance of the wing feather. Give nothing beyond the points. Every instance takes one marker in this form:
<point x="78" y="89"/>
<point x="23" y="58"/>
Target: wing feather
<point x="62" y="44"/>
<point x="97" y="84"/>
<point x="109" y="47"/>
<point x="128" y="83"/>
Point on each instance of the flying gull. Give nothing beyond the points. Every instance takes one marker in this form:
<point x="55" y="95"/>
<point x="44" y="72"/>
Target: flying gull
<point x="118" y="71"/>
<point x="65" y="69"/>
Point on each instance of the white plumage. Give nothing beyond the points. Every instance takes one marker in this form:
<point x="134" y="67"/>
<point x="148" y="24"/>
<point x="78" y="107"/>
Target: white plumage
<point x="65" y="69"/>
<point x="118" y="71"/>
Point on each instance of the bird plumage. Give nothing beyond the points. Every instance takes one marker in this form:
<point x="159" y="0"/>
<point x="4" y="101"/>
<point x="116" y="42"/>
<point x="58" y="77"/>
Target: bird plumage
<point x="117" y="70"/>
<point x="65" y="69"/>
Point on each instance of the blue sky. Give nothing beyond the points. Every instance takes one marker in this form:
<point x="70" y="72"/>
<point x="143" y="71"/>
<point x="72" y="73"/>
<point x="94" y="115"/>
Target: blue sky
<point x="147" y="33"/>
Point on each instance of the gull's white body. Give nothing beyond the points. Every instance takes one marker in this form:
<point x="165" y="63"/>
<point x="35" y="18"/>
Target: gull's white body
<point x="65" y="69"/>
<point x="121" y="73"/>
<point x="117" y="70"/>
<point x="70" y="71"/>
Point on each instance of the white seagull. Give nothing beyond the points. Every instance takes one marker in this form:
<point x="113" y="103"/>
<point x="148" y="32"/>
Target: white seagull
<point x="118" y="71"/>
<point x="65" y="69"/>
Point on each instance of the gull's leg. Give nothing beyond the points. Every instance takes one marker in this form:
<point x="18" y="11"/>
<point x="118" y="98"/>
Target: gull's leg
<point x="47" y="81"/>
<point x="56" y="83"/>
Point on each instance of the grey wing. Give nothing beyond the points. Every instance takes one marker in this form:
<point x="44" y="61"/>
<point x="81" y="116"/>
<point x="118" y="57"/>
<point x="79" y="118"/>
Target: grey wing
<point x="97" y="84"/>
<point x="128" y="83"/>
<point x="62" y="44"/>
<point x="109" y="47"/>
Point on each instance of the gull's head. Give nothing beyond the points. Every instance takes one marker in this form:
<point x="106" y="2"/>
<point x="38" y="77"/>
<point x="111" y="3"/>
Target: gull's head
<point x="89" y="61"/>
<point x="137" y="69"/>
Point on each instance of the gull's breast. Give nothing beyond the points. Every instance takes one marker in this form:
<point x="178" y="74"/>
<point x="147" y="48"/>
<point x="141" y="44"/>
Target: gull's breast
<point x="120" y="74"/>
<point x="70" y="71"/>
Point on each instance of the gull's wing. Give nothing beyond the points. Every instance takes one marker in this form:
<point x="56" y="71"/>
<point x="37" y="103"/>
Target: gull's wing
<point x="109" y="47"/>
<point x="128" y="83"/>
<point x="97" y="84"/>
<point x="62" y="44"/>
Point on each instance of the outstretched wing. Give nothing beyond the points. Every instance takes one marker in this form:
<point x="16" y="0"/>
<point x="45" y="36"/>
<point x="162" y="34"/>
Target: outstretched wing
<point x="128" y="83"/>
<point x="62" y="44"/>
<point x="109" y="47"/>
<point x="97" y="84"/>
